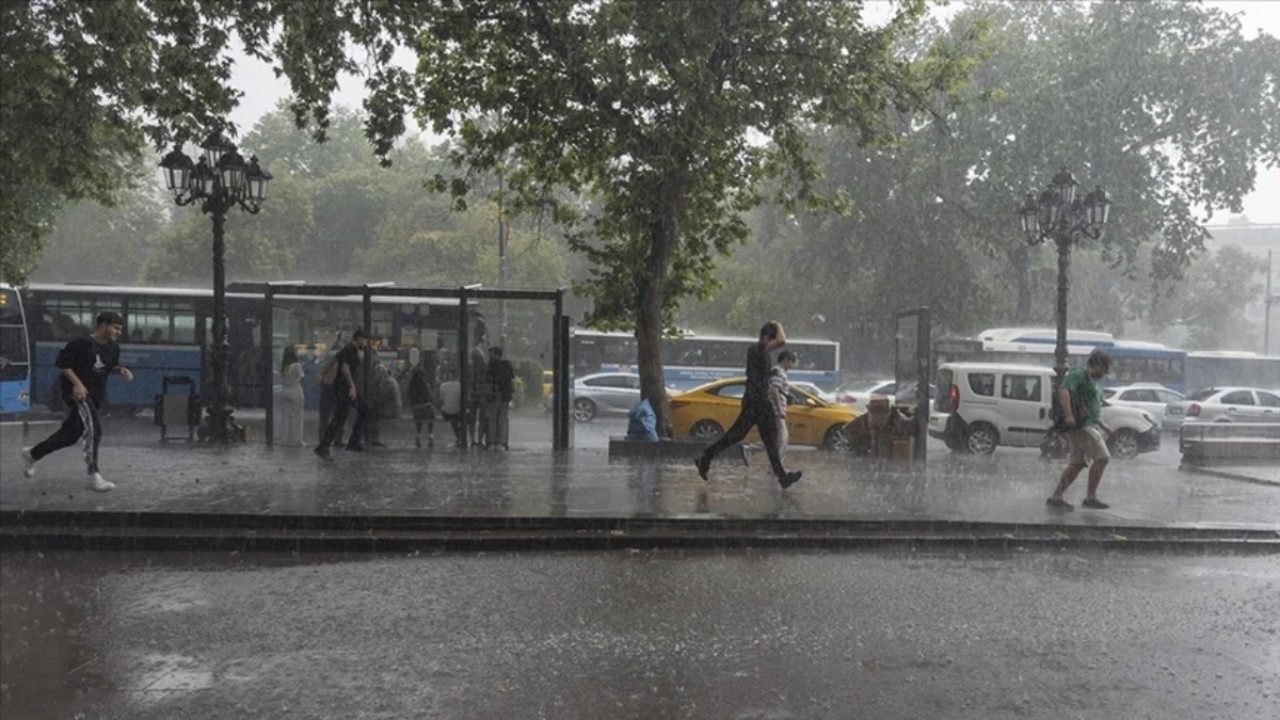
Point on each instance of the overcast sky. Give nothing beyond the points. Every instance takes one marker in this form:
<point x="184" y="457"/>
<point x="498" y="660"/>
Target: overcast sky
<point x="263" y="91"/>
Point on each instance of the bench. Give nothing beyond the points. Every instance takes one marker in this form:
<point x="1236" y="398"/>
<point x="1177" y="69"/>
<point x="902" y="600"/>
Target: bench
<point x="685" y="448"/>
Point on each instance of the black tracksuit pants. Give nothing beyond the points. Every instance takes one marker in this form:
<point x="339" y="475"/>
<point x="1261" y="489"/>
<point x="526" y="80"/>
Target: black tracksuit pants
<point x="761" y="416"/>
<point x="81" y="426"/>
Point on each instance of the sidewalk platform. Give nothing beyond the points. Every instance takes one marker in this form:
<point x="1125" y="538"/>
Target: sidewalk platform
<point x="251" y="497"/>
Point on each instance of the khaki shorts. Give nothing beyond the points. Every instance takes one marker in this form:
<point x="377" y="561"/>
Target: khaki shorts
<point x="1087" y="446"/>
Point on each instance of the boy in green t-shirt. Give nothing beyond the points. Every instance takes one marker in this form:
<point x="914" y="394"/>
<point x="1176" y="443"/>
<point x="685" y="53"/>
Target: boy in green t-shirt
<point x="1080" y="398"/>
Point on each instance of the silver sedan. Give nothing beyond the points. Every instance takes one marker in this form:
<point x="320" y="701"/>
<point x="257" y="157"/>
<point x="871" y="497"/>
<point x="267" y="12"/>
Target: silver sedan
<point x="1224" y="404"/>
<point x="605" y="393"/>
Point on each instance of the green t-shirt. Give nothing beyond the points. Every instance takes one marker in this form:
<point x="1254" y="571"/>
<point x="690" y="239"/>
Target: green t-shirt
<point x="1086" y="395"/>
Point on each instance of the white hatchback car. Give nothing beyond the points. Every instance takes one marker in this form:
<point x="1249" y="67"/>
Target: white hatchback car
<point x="1224" y="404"/>
<point x="981" y="406"/>
<point x="1152" y="397"/>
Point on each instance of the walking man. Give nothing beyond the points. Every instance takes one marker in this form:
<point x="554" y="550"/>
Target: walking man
<point x="84" y="365"/>
<point x="1080" y="400"/>
<point x="757" y="410"/>
<point x="344" y="395"/>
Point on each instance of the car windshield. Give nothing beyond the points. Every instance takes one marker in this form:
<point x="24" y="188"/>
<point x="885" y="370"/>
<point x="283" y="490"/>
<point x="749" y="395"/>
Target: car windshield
<point x="1202" y="395"/>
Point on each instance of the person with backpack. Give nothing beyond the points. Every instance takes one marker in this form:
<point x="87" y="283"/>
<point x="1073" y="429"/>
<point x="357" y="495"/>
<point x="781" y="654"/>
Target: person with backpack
<point x="1079" y="407"/>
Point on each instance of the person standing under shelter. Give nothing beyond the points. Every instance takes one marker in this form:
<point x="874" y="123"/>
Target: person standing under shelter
<point x="479" y="390"/>
<point x="344" y="395"/>
<point x="756" y="411"/>
<point x="291" y="398"/>
<point x="503" y="377"/>
<point x="418" y="392"/>
<point x="1080" y="402"/>
<point x="84" y="365"/>
<point x="451" y="407"/>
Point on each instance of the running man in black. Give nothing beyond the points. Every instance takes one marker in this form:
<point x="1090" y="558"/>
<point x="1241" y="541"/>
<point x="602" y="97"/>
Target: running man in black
<point x="85" y="364"/>
<point x="757" y="410"/>
<point x="344" y="394"/>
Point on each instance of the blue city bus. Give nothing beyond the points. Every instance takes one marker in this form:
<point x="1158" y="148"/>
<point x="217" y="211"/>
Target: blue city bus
<point x="692" y="360"/>
<point x="166" y="331"/>
<point x="15" y="354"/>
<point x="1216" y="368"/>
<point x="1132" y="361"/>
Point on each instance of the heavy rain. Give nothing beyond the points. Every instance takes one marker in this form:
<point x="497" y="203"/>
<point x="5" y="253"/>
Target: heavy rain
<point x="742" y="359"/>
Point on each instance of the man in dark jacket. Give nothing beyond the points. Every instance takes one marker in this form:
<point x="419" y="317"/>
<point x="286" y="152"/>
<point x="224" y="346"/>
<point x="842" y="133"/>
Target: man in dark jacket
<point x="84" y="365"/>
<point x="345" y="394"/>
<point x="503" y="378"/>
<point x="757" y="410"/>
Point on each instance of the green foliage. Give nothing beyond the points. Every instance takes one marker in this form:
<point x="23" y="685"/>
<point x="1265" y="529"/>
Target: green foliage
<point x="1172" y="127"/>
<point x="528" y="380"/>
<point x="87" y="83"/>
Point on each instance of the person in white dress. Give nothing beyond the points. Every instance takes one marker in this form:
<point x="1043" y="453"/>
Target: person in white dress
<point x="291" y="398"/>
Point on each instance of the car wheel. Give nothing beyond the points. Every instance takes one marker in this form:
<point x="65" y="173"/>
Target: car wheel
<point x="583" y="410"/>
<point x="1124" y="444"/>
<point x="982" y="439"/>
<point x="706" y="430"/>
<point x="837" y="439"/>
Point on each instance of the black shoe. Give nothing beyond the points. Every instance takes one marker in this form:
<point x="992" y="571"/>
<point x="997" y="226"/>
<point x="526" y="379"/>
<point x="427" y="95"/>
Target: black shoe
<point x="789" y="479"/>
<point x="1059" y="505"/>
<point x="1095" y="503"/>
<point x="323" y="453"/>
<point x="355" y="448"/>
<point x="703" y="464"/>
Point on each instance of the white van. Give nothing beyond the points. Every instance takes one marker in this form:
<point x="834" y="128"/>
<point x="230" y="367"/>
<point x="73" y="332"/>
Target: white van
<point x="981" y="406"/>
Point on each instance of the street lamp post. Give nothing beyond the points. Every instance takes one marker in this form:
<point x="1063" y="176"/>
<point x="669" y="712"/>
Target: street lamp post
<point x="1057" y="215"/>
<point x="220" y="181"/>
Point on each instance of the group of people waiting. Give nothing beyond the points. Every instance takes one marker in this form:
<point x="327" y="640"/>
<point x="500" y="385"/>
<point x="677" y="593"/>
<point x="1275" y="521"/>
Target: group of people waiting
<point x="484" y="422"/>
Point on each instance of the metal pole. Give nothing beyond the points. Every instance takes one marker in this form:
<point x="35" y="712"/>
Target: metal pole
<point x="1266" y="316"/>
<point x="1064" y="283"/>
<point x="463" y="352"/>
<point x="370" y="357"/>
<point x="502" y="268"/>
<point x="269" y="340"/>
<point x="220" y="411"/>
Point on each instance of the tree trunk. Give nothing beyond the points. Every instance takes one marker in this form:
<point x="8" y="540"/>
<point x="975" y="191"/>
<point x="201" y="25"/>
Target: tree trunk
<point x="651" y="291"/>
<point x="1020" y="261"/>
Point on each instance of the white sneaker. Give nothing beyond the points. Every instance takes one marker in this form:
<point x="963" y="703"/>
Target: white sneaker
<point x="28" y="463"/>
<point x="97" y="484"/>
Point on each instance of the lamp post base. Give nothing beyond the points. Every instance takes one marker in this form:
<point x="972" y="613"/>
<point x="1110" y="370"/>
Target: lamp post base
<point x="220" y="426"/>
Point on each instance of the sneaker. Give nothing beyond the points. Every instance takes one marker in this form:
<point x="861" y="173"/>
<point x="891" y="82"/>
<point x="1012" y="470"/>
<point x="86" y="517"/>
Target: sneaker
<point x="323" y="453"/>
<point x="28" y="463"/>
<point x="1095" y="503"/>
<point x="703" y="464"/>
<point x="97" y="484"/>
<point x="1059" y="504"/>
<point x="789" y="479"/>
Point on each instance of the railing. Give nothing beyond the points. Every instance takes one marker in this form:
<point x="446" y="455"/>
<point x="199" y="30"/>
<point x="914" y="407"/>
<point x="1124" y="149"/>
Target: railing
<point x="1204" y="443"/>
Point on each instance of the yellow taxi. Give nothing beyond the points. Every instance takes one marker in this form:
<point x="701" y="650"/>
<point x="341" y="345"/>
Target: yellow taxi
<point x="707" y="411"/>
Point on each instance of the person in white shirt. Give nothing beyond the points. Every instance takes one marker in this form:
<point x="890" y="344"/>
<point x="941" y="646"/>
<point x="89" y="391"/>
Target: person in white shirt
<point x="779" y="394"/>
<point x="451" y="406"/>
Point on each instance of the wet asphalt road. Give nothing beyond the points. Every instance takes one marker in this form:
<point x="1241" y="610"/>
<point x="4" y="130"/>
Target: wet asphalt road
<point x="659" y="634"/>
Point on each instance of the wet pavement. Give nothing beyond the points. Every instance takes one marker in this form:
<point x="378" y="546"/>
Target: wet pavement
<point x="531" y="481"/>
<point x="650" y="634"/>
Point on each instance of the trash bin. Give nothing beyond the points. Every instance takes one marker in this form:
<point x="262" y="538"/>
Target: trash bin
<point x="177" y="408"/>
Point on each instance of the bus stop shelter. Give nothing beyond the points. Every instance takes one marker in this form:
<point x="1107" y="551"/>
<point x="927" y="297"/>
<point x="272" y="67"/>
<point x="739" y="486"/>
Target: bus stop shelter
<point x="464" y="295"/>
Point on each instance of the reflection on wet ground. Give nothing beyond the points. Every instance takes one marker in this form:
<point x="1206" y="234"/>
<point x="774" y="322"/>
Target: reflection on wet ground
<point x="531" y="481"/>
<point x="639" y="635"/>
